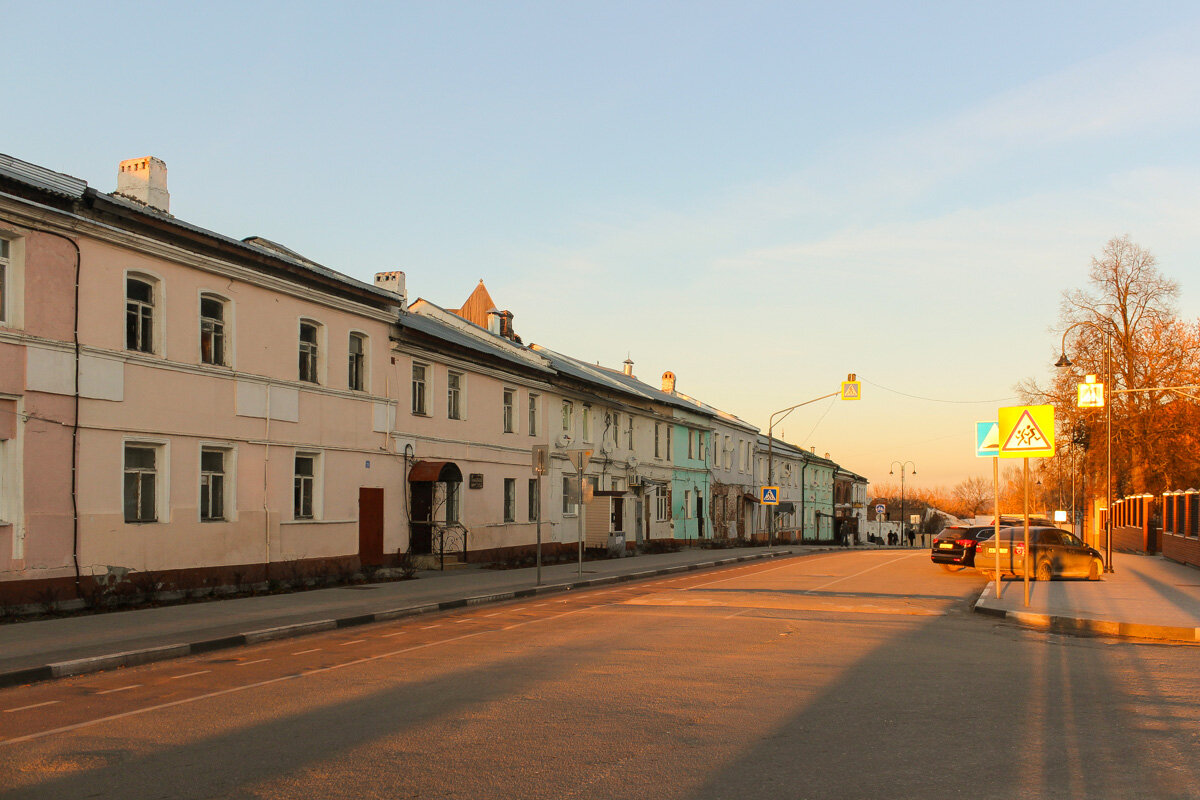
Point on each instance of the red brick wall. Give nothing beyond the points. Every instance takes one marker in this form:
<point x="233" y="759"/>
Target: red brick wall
<point x="1184" y="549"/>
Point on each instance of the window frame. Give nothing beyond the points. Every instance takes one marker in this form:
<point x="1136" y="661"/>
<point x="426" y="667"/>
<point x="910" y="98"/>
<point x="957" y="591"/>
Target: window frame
<point x="508" y="412"/>
<point x="533" y="410"/>
<point x="160" y="474"/>
<point x="569" y="509"/>
<point x="315" y="483"/>
<point x="535" y="500"/>
<point x="358" y="373"/>
<point x="315" y="351"/>
<point x="228" y="482"/>
<point x="456" y="394"/>
<point x="420" y="389"/>
<point x="510" y="499"/>
<point x="585" y="420"/>
<point x="157" y="311"/>
<point x="568" y="416"/>
<point x="222" y="335"/>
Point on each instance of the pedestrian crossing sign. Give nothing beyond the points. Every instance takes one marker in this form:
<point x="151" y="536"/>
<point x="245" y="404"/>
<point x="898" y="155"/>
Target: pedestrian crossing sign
<point x="769" y="495"/>
<point x="851" y="389"/>
<point x="987" y="439"/>
<point x="1027" y="432"/>
<point x="1091" y="393"/>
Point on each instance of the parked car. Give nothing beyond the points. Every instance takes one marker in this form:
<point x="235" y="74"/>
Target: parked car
<point x="1054" y="553"/>
<point x="954" y="547"/>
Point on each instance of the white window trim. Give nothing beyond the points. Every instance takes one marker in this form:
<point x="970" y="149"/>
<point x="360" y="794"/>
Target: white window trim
<point x="162" y="482"/>
<point x="366" y="360"/>
<point x="514" y="413"/>
<point x="569" y="509"/>
<point x="427" y="387"/>
<point x="534" y="400"/>
<point x="318" y="509"/>
<point x="230" y="488"/>
<point x="585" y="420"/>
<point x="505" y="483"/>
<point x="12" y="472"/>
<point x="227" y="322"/>
<point x="322" y="351"/>
<point x="462" y="394"/>
<point x="12" y="314"/>
<point x="158" y="328"/>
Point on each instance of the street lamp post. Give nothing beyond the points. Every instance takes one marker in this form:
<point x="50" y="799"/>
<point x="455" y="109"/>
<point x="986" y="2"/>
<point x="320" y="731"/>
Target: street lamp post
<point x="903" y="520"/>
<point x="771" y="456"/>
<point x="1063" y="361"/>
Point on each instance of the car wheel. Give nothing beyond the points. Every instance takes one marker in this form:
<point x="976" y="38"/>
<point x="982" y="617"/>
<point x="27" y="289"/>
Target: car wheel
<point x="1044" y="572"/>
<point x="951" y="567"/>
<point x="1094" y="569"/>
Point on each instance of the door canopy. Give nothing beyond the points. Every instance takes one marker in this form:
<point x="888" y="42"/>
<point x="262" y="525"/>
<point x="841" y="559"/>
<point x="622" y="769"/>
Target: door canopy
<point x="435" y="471"/>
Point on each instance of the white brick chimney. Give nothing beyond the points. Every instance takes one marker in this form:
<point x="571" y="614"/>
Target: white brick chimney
<point x="393" y="282"/>
<point x="145" y="180"/>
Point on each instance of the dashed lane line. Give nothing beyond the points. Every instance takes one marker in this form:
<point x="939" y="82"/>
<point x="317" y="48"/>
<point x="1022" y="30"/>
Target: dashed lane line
<point x="189" y="675"/>
<point x="306" y="652"/>
<point x="120" y="689"/>
<point x="354" y="641"/>
<point x="255" y="661"/>
<point x="27" y="708"/>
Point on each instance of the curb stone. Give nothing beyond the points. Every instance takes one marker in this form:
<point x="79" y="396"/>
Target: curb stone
<point x="130" y="658"/>
<point x="1056" y="623"/>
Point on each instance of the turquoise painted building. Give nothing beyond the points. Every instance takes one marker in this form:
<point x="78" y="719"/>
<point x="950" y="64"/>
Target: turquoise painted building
<point x="691" y="484"/>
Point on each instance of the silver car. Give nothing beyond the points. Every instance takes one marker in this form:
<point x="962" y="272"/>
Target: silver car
<point x="1054" y="553"/>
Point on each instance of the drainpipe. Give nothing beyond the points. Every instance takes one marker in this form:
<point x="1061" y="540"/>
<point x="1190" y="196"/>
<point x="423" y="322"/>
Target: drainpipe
<point x="75" y="415"/>
<point x="803" y="489"/>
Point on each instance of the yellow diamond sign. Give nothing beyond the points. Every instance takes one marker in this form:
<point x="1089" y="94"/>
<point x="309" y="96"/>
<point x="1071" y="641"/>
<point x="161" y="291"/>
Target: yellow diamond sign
<point x="1027" y="432"/>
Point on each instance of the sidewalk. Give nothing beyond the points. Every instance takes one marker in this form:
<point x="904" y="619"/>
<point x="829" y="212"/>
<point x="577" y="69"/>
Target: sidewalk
<point x="1147" y="597"/>
<point x="57" y="648"/>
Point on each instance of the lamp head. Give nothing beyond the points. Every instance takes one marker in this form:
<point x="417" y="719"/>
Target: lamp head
<point x="1063" y="361"/>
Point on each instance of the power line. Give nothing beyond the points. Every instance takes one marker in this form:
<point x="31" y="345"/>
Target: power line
<point x="935" y="399"/>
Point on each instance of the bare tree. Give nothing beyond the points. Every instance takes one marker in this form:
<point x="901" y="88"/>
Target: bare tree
<point x="972" y="497"/>
<point x="1124" y="322"/>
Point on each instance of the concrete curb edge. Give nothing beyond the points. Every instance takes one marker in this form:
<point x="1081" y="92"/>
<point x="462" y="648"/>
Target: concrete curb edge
<point x="1056" y="623"/>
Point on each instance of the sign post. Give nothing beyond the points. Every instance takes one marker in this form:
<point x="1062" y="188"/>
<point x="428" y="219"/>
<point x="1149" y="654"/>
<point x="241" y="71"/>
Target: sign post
<point x="1026" y="432"/>
<point x="541" y="457"/>
<point x="987" y="445"/>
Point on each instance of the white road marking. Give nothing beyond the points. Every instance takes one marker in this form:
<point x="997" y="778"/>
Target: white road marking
<point x="306" y="652"/>
<point x="493" y="615"/>
<point x="430" y="627"/>
<point x="120" y="689"/>
<point x="356" y="641"/>
<point x="256" y="661"/>
<point x="861" y="572"/>
<point x="26" y="708"/>
<point x="189" y="675"/>
<point x="390" y="635"/>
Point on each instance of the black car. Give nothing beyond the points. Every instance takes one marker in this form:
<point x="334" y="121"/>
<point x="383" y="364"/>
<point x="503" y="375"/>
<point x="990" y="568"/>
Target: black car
<point x="954" y="547"/>
<point x="1053" y="553"/>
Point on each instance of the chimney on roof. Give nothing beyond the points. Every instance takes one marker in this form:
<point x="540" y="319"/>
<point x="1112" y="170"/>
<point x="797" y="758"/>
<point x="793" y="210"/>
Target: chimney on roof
<point x="145" y="180"/>
<point x="668" y="382"/>
<point x="826" y="456"/>
<point x="495" y="321"/>
<point x="392" y="282"/>
<point x="629" y="367"/>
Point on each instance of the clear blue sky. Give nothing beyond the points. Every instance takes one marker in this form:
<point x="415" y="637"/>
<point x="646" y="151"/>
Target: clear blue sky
<point x="760" y="197"/>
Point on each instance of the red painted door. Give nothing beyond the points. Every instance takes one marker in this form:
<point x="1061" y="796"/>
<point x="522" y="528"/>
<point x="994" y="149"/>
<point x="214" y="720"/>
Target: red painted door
<point x="370" y="527"/>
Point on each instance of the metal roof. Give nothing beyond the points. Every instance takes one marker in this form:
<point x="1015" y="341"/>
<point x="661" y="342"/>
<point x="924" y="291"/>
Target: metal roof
<point x="614" y="380"/>
<point x="435" y="328"/>
<point x="41" y="178"/>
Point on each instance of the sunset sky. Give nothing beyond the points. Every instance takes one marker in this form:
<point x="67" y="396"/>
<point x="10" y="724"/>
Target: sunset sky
<point x="759" y="197"/>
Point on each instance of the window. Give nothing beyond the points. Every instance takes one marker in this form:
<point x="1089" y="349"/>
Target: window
<point x="587" y="423"/>
<point x="303" y="504"/>
<point x="508" y="420"/>
<point x="568" y="416"/>
<point x="212" y="330"/>
<point x="669" y="454"/>
<point x="657" y="440"/>
<point x="4" y="278"/>
<point x="453" y="502"/>
<point x="308" y="352"/>
<point x="726" y="455"/>
<point x="535" y="500"/>
<point x="662" y="506"/>
<point x="616" y="484"/>
<point x="510" y="499"/>
<point x="454" y="395"/>
<point x="687" y="503"/>
<point x="139" y="315"/>
<point x="212" y="484"/>
<point x="691" y="452"/>
<point x="568" y="508"/>
<point x="141" y="483"/>
<point x="629" y="431"/>
<point x="357" y="362"/>
<point x="533" y="414"/>
<point x="419" y="405"/>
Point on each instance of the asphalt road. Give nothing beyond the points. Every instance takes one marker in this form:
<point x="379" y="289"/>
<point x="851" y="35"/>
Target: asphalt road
<point x="844" y="675"/>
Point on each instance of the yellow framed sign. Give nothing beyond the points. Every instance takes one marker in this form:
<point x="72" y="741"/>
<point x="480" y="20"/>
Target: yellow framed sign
<point x="1027" y="432"/>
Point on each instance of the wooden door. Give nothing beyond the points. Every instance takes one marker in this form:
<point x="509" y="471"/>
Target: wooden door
<point x="370" y="527"/>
